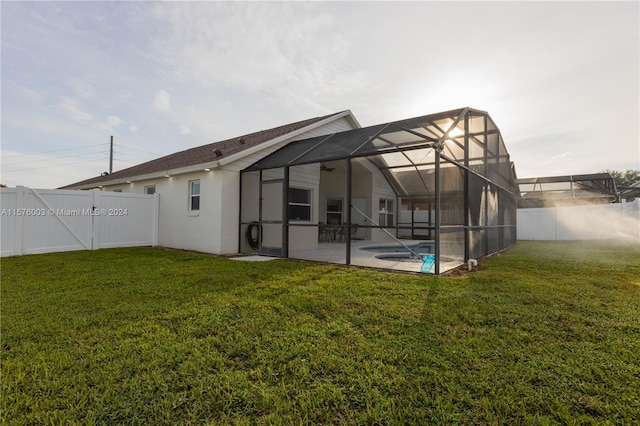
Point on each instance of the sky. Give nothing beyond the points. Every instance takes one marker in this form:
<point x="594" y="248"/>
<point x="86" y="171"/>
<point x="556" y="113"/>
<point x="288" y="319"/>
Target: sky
<point x="560" y="79"/>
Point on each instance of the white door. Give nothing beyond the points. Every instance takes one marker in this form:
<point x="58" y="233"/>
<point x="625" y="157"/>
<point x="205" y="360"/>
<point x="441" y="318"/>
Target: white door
<point x="271" y="238"/>
<point x="360" y="205"/>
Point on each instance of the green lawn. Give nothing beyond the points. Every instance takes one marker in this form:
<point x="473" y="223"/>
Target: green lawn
<point x="548" y="333"/>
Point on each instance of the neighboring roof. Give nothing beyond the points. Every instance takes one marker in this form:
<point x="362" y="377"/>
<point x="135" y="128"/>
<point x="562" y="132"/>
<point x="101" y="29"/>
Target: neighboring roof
<point x="630" y="192"/>
<point x="565" y="190"/>
<point x="207" y="153"/>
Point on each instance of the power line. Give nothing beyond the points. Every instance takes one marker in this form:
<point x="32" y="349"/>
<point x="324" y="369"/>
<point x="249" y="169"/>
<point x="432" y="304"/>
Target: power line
<point x="34" y="160"/>
<point x="129" y="154"/>
<point x="141" y="150"/>
<point x="54" y="165"/>
<point x="130" y="160"/>
<point x="11" y="166"/>
<point x="55" y="150"/>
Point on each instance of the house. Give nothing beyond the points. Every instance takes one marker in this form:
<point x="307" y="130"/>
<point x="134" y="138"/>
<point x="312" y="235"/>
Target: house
<point x="630" y="193"/>
<point x="199" y="187"/>
<point x="433" y="190"/>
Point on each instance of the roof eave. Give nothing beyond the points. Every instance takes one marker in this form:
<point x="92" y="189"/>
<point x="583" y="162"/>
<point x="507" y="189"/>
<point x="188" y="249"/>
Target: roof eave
<point x="155" y="175"/>
<point x="267" y="144"/>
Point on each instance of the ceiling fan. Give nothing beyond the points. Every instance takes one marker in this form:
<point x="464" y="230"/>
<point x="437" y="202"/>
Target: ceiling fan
<point x="324" y="168"/>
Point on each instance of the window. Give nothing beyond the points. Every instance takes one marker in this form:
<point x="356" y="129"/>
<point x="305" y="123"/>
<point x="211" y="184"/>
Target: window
<point x="117" y="190"/>
<point x="151" y="189"/>
<point x="194" y="195"/>
<point x="300" y="204"/>
<point x="334" y="211"/>
<point x="385" y="215"/>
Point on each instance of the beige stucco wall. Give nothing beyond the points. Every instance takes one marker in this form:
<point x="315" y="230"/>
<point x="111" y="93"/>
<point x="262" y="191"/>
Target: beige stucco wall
<point x="177" y="226"/>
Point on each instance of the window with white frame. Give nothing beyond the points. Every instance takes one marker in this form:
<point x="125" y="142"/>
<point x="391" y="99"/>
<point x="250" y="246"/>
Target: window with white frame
<point x="300" y="204"/>
<point x="385" y="214"/>
<point x="151" y="189"/>
<point x="334" y="211"/>
<point x="194" y="195"/>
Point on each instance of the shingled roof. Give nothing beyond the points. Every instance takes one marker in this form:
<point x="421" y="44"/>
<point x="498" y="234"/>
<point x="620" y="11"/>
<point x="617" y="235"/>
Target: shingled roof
<point x="201" y="154"/>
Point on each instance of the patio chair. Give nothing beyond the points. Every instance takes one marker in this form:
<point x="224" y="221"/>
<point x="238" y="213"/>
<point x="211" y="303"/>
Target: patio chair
<point x="342" y="233"/>
<point x="354" y="230"/>
<point x="323" y="232"/>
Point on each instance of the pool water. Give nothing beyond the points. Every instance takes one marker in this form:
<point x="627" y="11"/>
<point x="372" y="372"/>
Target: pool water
<point x="408" y="257"/>
<point x="424" y="247"/>
<point x="399" y="253"/>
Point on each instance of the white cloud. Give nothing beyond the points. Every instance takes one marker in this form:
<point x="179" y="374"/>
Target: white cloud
<point x="133" y="129"/>
<point x="69" y="107"/>
<point x="162" y="101"/>
<point x="276" y="48"/>
<point x="184" y="130"/>
<point x="560" y="156"/>
<point x="111" y="123"/>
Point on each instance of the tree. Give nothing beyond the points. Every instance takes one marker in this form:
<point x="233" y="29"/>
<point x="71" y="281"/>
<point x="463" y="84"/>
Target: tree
<point x="623" y="179"/>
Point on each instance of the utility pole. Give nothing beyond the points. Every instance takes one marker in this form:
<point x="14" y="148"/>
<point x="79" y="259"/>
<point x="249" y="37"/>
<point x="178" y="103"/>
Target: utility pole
<point x="111" y="157"/>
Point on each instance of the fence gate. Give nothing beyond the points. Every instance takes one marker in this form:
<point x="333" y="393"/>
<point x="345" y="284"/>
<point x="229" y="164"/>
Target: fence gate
<point x="45" y="220"/>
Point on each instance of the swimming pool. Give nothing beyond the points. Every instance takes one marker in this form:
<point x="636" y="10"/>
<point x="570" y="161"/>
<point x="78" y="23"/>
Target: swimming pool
<point x="408" y="257"/>
<point x="423" y="247"/>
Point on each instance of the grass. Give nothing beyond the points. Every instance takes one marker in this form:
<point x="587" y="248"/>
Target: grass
<point x="548" y="333"/>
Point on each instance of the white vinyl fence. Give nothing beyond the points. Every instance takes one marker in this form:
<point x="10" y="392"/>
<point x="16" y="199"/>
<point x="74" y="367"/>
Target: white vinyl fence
<point x="50" y="220"/>
<point x="619" y="221"/>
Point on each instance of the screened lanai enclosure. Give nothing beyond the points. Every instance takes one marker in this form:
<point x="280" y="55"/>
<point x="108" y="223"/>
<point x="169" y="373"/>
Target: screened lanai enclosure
<point x="422" y="194"/>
